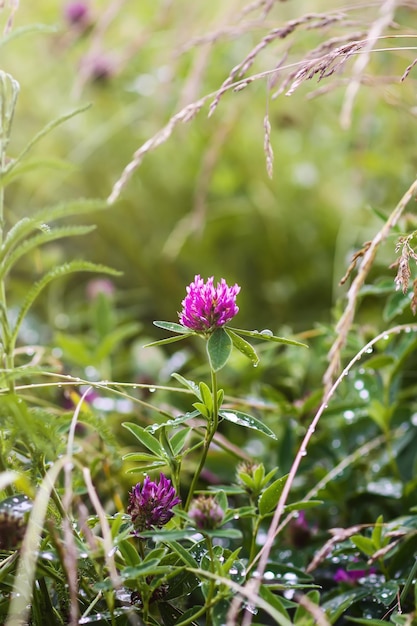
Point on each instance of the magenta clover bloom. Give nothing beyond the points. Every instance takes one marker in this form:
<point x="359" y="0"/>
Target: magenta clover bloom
<point x="351" y="576"/>
<point x="150" y="504"/>
<point x="76" y="12"/>
<point x="207" y="307"/>
<point x="206" y="513"/>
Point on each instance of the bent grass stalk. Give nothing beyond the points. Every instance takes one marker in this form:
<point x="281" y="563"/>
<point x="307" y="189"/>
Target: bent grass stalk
<point x="25" y="575"/>
<point x="263" y="555"/>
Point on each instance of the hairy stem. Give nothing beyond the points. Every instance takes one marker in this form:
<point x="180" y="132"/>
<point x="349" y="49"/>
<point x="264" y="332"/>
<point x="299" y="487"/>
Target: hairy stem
<point x="210" y="432"/>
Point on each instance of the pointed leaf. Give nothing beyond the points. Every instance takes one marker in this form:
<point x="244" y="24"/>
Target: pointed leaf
<point x="114" y="338"/>
<point x="174" y="328"/>
<point x="49" y="214"/>
<point x="219" y="348"/>
<point x="178" y="440"/>
<point x="202" y="408"/>
<point x="184" y="554"/>
<point x="56" y="272"/>
<point x="173" y="422"/>
<point x="268" y="499"/>
<point x="38" y="240"/>
<point x="189" y="384"/>
<point x="146" y="439"/>
<point x="163" y="342"/>
<point x="365" y="544"/>
<point x="206" y="395"/>
<point x="243" y="419"/>
<point x="47" y="129"/>
<point x="243" y="346"/>
<point x="139" y="457"/>
<point x="147" y="468"/>
<point x="267" y="335"/>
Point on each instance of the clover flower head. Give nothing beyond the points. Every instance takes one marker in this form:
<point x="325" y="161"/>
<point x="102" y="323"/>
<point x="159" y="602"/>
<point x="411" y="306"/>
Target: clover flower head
<point x="207" y="307"/>
<point x="206" y="513"/>
<point x="351" y="576"/>
<point x="76" y="13"/>
<point x="151" y="503"/>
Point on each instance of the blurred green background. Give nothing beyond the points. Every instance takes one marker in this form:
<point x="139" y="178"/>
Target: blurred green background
<point x="202" y="203"/>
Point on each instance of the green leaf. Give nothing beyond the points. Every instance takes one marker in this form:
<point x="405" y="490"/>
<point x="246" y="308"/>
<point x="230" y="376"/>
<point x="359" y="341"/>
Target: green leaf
<point x="243" y="346"/>
<point x="206" y="396"/>
<point x="38" y="240"/>
<point x="173" y="422"/>
<point x="45" y="130"/>
<point x="146" y="439"/>
<point x="56" y="272"/>
<point x="302" y="504"/>
<point x="368" y="621"/>
<point x="163" y="342"/>
<point x="184" y="554"/>
<point x="114" y="338"/>
<point x="12" y="173"/>
<point x="174" y="328"/>
<point x="146" y="568"/>
<point x="302" y="614"/>
<point x="74" y="349"/>
<point x="395" y="305"/>
<point x="188" y="384"/>
<point x="364" y="544"/>
<point x="336" y="606"/>
<point x="268" y="499"/>
<point x="139" y="457"/>
<point x="222" y="499"/>
<point x="386" y="592"/>
<point x="147" y="468"/>
<point x="219" y="348"/>
<point x="202" y="408"/>
<point x="178" y="440"/>
<point x="129" y="553"/>
<point x="19" y="505"/>
<point x="62" y="210"/>
<point x="273" y="600"/>
<point x="377" y="532"/>
<point x="243" y="419"/>
<point x="169" y="535"/>
<point x="266" y="335"/>
<point x="26" y="30"/>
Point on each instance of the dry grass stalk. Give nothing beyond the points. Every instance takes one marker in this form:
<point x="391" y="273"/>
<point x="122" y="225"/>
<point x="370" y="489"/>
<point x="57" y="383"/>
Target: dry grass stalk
<point x="185" y="115"/>
<point x="315" y="611"/>
<point x="386" y="17"/>
<point x="320" y="20"/>
<point x="269" y="153"/>
<point x="346" y="320"/>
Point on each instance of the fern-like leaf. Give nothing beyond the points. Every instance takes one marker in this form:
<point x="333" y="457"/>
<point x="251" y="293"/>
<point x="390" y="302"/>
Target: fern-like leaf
<point x="44" y="131"/>
<point x="38" y="240"/>
<point x="12" y="173"/>
<point x="56" y="272"/>
<point x="65" y="209"/>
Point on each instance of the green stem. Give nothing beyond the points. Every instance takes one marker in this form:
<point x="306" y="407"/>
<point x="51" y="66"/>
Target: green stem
<point x="211" y="590"/>
<point x="255" y="529"/>
<point x="9" y="90"/>
<point x="210" y="432"/>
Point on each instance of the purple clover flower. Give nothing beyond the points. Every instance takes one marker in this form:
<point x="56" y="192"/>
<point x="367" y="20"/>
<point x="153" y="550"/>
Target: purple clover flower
<point x="207" y="307"/>
<point x="351" y="576"/>
<point x="206" y="513"/>
<point x="76" y="13"/>
<point x="150" y="504"/>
